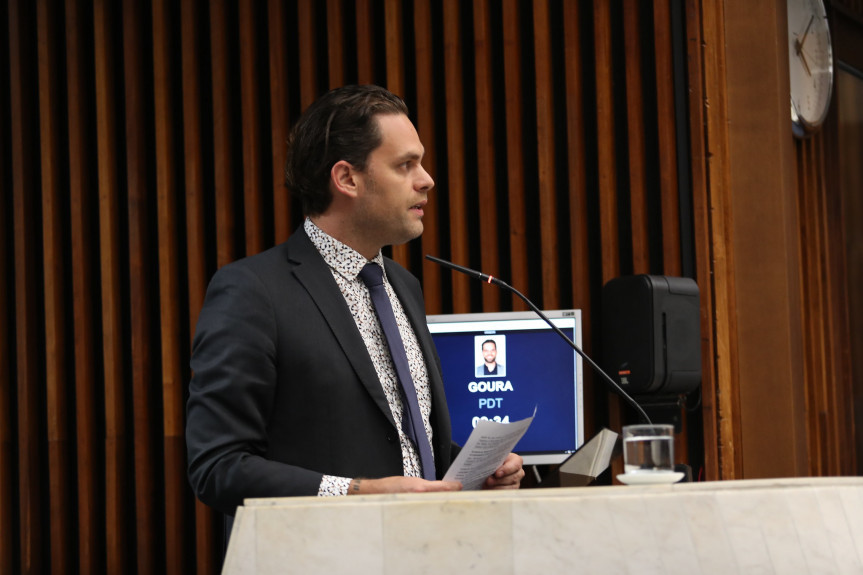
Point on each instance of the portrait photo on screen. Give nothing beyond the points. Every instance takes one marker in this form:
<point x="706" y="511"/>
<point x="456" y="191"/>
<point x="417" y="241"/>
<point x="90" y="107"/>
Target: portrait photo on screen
<point x="490" y="356"/>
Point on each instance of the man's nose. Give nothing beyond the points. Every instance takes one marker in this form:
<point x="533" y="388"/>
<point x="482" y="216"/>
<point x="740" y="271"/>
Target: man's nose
<point x="425" y="182"/>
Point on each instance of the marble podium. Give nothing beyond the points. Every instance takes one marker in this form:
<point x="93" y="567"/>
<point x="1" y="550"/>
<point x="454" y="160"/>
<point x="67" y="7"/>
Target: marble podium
<point x="802" y="525"/>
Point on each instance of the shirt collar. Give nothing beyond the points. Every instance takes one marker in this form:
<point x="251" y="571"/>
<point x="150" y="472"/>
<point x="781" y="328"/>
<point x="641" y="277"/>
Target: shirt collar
<point x="342" y="258"/>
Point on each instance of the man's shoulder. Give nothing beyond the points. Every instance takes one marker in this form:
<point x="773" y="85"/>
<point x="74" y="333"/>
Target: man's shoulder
<point x="275" y="264"/>
<point x="296" y="248"/>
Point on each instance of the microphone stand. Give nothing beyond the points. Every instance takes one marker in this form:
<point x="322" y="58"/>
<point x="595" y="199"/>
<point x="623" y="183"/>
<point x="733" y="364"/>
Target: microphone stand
<point x="500" y="283"/>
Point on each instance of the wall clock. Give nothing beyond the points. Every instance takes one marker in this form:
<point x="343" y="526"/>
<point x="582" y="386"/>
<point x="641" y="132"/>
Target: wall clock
<point x="811" y="65"/>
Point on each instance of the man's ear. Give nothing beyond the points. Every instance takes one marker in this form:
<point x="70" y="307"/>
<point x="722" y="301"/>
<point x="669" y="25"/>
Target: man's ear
<point x="344" y="178"/>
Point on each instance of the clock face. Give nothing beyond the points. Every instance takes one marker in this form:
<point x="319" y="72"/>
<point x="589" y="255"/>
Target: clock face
<point x="811" y="64"/>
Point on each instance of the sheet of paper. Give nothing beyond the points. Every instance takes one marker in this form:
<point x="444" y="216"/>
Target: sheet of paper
<point x="486" y="448"/>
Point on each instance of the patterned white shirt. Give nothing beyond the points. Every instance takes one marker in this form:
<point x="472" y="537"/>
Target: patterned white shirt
<point x="346" y="264"/>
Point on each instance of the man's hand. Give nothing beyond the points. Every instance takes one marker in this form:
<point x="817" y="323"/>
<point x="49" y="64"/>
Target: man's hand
<point x="508" y="475"/>
<point x="399" y="484"/>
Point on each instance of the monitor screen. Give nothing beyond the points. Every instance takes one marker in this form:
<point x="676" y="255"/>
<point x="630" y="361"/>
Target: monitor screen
<point x="500" y="366"/>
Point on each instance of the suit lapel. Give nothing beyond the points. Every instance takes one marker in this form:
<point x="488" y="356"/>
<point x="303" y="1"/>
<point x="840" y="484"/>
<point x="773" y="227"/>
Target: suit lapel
<point x="314" y="274"/>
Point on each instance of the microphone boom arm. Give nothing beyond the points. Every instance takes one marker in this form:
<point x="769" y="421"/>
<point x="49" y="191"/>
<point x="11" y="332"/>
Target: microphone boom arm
<point x="493" y="280"/>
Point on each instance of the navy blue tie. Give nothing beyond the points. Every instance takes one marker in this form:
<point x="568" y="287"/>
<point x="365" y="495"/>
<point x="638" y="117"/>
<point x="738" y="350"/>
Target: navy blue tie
<point x="412" y="424"/>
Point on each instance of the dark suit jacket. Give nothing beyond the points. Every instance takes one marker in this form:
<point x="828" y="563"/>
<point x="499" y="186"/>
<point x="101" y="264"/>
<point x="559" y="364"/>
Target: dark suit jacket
<point x="284" y="390"/>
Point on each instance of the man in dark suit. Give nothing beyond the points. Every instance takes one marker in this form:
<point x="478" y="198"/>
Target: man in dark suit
<point x="294" y="391"/>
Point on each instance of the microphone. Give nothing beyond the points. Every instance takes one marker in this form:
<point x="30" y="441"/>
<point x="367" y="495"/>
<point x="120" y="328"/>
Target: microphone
<point x="498" y="282"/>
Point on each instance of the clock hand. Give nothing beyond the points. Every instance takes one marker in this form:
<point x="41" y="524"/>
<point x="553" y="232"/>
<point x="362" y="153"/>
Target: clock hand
<point x="805" y="33"/>
<point x="802" y="55"/>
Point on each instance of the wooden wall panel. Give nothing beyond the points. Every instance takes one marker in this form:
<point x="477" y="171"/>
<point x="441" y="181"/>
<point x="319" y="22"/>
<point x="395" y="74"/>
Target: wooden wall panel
<point x="545" y="152"/>
<point x="53" y="241"/>
<point x="28" y="331"/>
<point x="426" y="128"/>
<point x="8" y="501"/>
<point x="165" y="69"/>
<point x="335" y="44"/>
<point x="141" y="269"/>
<point x="365" y="29"/>
<point x="454" y="186"/>
<point x="577" y="178"/>
<point x="606" y="159"/>
<point x="114" y="336"/>
<point x="666" y="139"/>
<point x="192" y="40"/>
<point x="146" y="149"/>
<point x="82" y="202"/>
<point x="487" y="191"/>
<point x="224" y="106"/>
<point x="279" y="116"/>
<point x="515" y="154"/>
<point x="250" y="78"/>
<point x="635" y="131"/>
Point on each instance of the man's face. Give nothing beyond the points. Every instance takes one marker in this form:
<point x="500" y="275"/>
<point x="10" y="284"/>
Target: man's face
<point x="395" y="186"/>
<point x="489" y="352"/>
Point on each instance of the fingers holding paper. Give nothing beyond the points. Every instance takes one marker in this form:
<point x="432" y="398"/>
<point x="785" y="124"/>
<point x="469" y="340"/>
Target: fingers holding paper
<point x="508" y="475"/>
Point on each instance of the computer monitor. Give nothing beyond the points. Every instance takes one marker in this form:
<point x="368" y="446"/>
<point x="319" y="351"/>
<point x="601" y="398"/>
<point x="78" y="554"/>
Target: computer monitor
<point x="531" y="367"/>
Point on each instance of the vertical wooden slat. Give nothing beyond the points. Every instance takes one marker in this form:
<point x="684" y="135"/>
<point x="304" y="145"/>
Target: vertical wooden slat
<point x="635" y="135"/>
<point x="193" y="152"/>
<point x="395" y="77"/>
<point x="823" y="440"/>
<point x="8" y="464"/>
<point x="8" y="461"/>
<point x="249" y="97"/>
<point x="308" y="52"/>
<point x="137" y="167"/>
<point x="830" y="382"/>
<point x="809" y="317"/>
<point x="546" y="155"/>
<point x="838" y="280"/>
<point x="722" y="421"/>
<point x="222" y="137"/>
<point x="459" y="238"/>
<point x="205" y="548"/>
<point x="335" y="43"/>
<point x="605" y="142"/>
<point x="32" y="550"/>
<point x="53" y="240"/>
<point x="169" y="294"/>
<point x="117" y="492"/>
<point x="667" y="138"/>
<point x="365" y="36"/>
<point x="701" y="233"/>
<point x="281" y="123"/>
<point x="394" y="46"/>
<point x="607" y="170"/>
<point x="424" y="52"/>
<point x="485" y="150"/>
<point x="82" y="200"/>
<point x="579" y="220"/>
<point x="515" y="153"/>
<point x="836" y="381"/>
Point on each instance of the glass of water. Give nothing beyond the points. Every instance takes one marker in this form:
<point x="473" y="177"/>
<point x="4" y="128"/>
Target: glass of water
<point x="648" y="448"/>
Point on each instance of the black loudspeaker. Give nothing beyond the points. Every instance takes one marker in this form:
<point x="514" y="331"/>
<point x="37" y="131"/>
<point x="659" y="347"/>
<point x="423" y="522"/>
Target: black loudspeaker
<point x="651" y="334"/>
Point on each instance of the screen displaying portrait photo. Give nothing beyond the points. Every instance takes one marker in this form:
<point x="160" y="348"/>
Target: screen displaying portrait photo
<point x="537" y="372"/>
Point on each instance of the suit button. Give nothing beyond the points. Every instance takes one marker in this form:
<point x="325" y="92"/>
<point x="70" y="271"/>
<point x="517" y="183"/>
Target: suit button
<point x="390" y="438"/>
